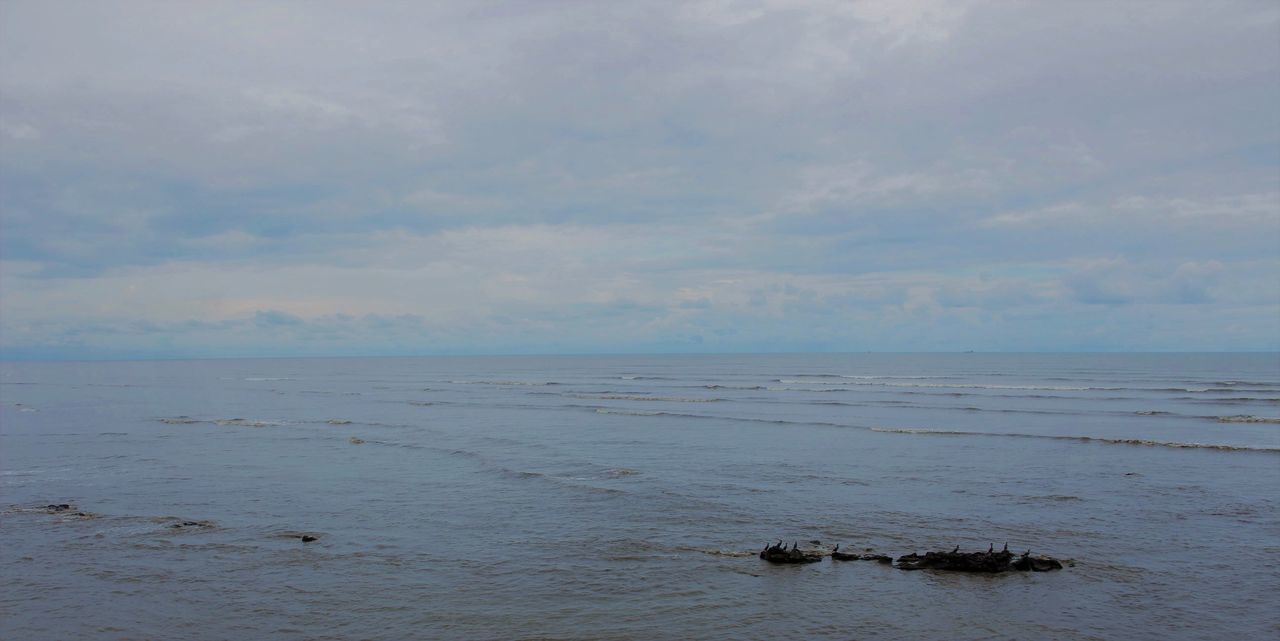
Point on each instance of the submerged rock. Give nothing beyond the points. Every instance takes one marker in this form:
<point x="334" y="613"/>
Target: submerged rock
<point x="190" y="524"/>
<point x="837" y="555"/>
<point x="357" y="441"/>
<point x="305" y="537"/>
<point x="58" y="508"/>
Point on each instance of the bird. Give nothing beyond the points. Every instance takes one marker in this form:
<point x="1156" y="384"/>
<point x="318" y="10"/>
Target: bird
<point x="836" y="549"/>
<point x="1006" y="546"/>
<point x="991" y="548"/>
<point x="956" y="550"/>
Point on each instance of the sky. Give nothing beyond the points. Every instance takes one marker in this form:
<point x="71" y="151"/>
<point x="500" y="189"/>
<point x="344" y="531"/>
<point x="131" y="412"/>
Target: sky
<point x="314" y="178"/>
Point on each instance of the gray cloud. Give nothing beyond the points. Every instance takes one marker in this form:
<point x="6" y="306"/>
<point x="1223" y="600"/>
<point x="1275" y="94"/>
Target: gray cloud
<point x="579" y="176"/>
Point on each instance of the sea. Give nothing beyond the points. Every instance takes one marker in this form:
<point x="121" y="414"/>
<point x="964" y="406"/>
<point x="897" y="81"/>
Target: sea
<point x="627" y="497"/>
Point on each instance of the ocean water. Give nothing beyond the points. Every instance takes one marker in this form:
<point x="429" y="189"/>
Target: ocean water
<point x="626" y="497"/>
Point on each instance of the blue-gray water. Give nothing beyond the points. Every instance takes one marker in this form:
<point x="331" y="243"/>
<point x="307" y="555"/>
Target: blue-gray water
<point x="625" y="497"/>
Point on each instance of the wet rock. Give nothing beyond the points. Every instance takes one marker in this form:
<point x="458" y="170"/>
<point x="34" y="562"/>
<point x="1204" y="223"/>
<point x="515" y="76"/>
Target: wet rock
<point x="1026" y="562"/>
<point x="982" y="562"/>
<point x="779" y="553"/>
<point x="357" y="441"/>
<point x="57" y="508"/>
<point x="307" y="538"/>
<point x="837" y="555"/>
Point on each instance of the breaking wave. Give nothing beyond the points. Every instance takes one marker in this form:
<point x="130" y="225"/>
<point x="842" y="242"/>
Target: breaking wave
<point x="1246" y="418"/>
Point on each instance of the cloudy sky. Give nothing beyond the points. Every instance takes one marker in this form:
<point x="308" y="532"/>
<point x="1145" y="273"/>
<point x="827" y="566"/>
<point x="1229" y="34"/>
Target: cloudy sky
<point x="279" y="178"/>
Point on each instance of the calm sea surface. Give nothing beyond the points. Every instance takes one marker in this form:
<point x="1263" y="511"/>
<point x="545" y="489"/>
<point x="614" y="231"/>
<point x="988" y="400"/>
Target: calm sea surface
<point x="625" y="497"/>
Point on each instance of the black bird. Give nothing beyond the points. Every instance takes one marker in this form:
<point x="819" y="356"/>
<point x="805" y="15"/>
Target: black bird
<point x="1006" y="546"/>
<point x="991" y="548"/>
<point x="795" y="545"/>
<point x="956" y="550"/>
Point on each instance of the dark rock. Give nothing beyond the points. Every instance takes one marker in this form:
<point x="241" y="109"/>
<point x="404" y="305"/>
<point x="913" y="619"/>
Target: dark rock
<point x="984" y="562"/>
<point x="778" y="553"/>
<point x="53" y="508"/>
<point x="307" y="538"/>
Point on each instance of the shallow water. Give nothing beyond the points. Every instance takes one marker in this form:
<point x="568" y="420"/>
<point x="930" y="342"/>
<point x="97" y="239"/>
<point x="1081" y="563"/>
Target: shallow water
<point x="625" y="497"/>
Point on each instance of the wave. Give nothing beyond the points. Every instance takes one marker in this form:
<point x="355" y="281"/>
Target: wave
<point x="1230" y="399"/>
<point x="937" y="432"/>
<point x="1081" y="439"/>
<point x="647" y="378"/>
<point x="1246" y="418"/>
<point x="1056" y="388"/>
<point x="244" y="422"/>
<point x="258" y="379"/>
<point x="507" y="383"/>
<point x="609" y="410"/>
<point x="641" y="397"/>
<point x="237" y="422"/>
<point x="1048" y="388"/>
<point x="806" y="389"/>
<point x="180" y="420"/>
<point x="872" y="376"/>
<point x="964" y="408"/>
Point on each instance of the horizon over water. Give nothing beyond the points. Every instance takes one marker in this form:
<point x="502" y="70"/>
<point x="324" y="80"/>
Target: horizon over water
<point x="626" y="496"/>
